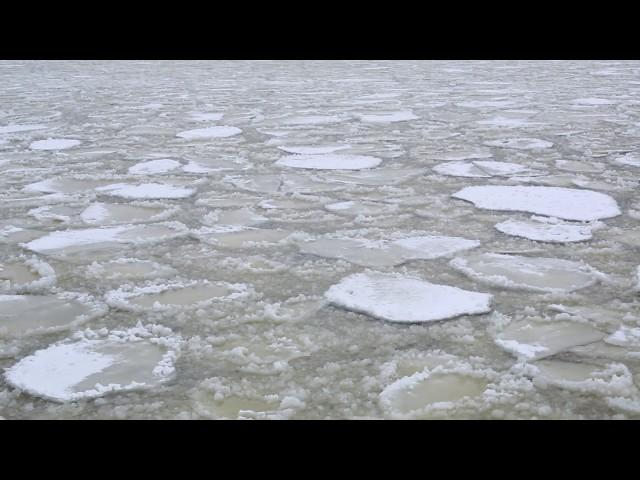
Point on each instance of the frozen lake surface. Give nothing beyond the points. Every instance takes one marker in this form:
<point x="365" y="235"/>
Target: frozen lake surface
<point x="319" y="240"/>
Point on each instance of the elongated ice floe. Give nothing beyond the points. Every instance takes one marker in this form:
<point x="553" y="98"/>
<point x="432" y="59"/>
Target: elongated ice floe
<point x="388" y="117"/>
<point x="93" y="364"/>
<point x="368" y="253"/>
<point x="479" y="169"/>
<point x="565" y="203"/>
<point x="146" y="190"/>
<point x="68" y="241"/>
<point x="174" y="296"/>
<point x="527" y="273"/>
<point x="220" y="131"/>
<point x="405" y="300"/>
<point x="54" y="144"/>
<point x="27" y="127"/>
<point x="23" y="315"/>
<point x="520" y="143"/>
<point x="313" y="150"/>
<point x="162" y="165"/>
<point x="544" y="231"/>
<point x="121" y="213"/>
<point x="329" y="162"/>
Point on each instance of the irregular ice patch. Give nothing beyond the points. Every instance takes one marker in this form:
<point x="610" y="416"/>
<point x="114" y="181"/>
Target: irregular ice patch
<point x="565" y="203"/>
<point x="231" y="236"/>
<point x="22" y="315"/>
<point x="94" y="364"/>
<point x="378" y="176"/>
<point x="520" y="143"/>
<point x="162" y="165"/>
<point x="329" y="162"/>
<point x="241" y="217"/>
<point x="544" y="231"/>
<point x="406" y="300"/>
<point x="221" y="131"/>
<point x="630" y="159"/>
<point x="146" y="190"/>
<point x="312" y="120"/>
<point x="535" y="340"/>
<point x="206" y="117"/>
<point x="54" y="144"/>
<point x="527" y="273"/>
<point x="593" y="101"/>
<point x="66" y="185"/>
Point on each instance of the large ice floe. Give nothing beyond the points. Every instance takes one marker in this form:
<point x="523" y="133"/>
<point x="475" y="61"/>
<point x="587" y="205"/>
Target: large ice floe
<point x="564" y="203"/>
<point x="397" y="298"/>
<point x="330" y="161"/>
<point x="22" y="315"/>
<point x="92" y="364"/>
<point x="536" y="274"/>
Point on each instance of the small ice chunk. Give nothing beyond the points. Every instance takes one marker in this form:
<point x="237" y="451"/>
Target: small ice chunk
<point x="565" y="203"/>
<point x="54" y="144"/>
<point x="406" y="300"/>
<point x="329" y="162"/>
<point x="221" y="131"/>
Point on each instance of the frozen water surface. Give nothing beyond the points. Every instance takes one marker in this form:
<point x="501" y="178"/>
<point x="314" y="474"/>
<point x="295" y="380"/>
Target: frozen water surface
<point x="474" y="226"/>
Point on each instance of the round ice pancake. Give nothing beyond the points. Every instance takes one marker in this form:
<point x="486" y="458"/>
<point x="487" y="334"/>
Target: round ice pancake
<point x="98" y="364"/>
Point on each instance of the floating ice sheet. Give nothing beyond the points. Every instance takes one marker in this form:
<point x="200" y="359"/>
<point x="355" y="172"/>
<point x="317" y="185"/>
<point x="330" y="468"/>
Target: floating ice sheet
<point x="520" y="143"/>
<point x="146" y="190"/>
<point x="220" y="131"/>
<point x="543" y="231"/>
<point x="162" y="165"/>
<point x="54" y="144"/>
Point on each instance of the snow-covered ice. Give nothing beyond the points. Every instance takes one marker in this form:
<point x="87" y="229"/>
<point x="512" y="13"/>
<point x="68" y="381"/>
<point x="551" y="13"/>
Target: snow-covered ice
<point x="405" y="300"/>
<point x="220" y="131"/>
<point x="565" y="203"/>
<point x="542" y="230"/>
<point x="330" y="161"/>
<point x="146" y="190"/>
<point x="54" y="144"/>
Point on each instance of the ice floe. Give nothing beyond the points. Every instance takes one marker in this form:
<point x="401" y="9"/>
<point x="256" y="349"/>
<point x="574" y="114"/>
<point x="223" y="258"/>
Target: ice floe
<point x="541" y="229"/>
<point x="564" y="203"/>
<point x="162" y="165"/>
<point x="23" y="275"/>
<point x="520" y="143"/>
<point x="22" y="315"/>
<point x="405" y="300"/>
<point x="21" y="128"/>
<point x="71" y="241"/>
<point x="313" y="150"/>
<point x="93" y="364"/>
<point x="146" y="190"/>
<point x="221" y="131"/>
<point x="630" y="159"/>
<point x="54" y="144"/>
<point x="128" y="269"/>
<point x="480" y="169"/>
<point x="535" y="274"/>
<point x="532" y="340"/>
<point x="116" y="213"/>
<point x="330" y="162"/>
<point x="388" y="117"/>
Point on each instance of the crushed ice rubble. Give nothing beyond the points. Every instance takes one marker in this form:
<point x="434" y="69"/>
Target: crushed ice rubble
<point x="321" y="240"/>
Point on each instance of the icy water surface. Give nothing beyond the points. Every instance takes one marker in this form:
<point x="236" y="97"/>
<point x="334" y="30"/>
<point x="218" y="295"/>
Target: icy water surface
<point x="322" y="240"/>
